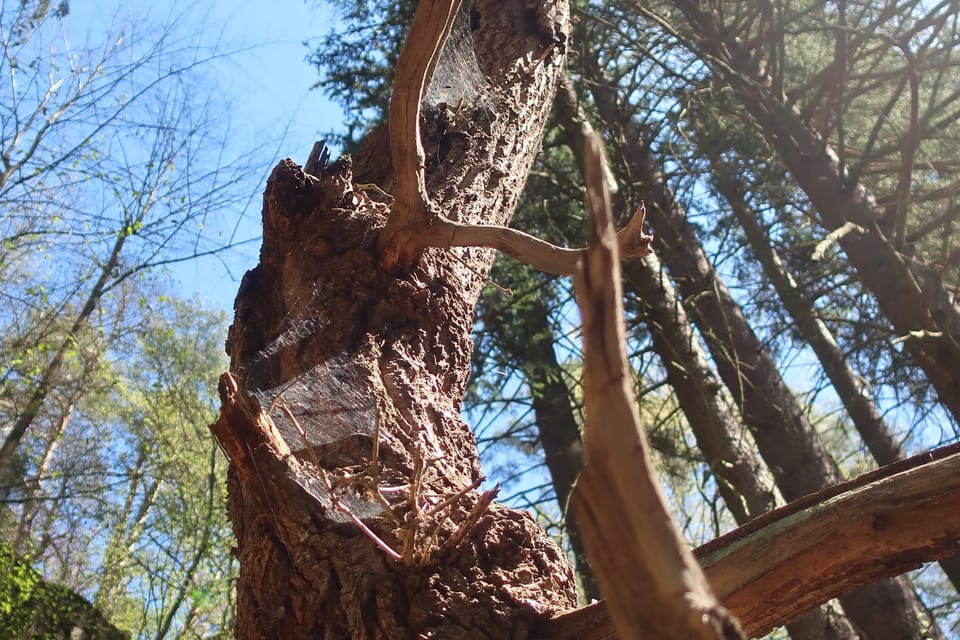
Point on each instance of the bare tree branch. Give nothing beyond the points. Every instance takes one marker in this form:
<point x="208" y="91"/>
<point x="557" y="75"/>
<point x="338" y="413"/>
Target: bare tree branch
<point x="654" y="585"/>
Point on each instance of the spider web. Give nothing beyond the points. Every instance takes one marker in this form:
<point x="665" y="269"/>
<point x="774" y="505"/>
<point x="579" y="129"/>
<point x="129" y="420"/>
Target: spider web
<point x="457" y="79"/>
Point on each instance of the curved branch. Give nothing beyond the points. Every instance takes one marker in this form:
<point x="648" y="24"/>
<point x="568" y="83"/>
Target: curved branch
<point x="421" y="50"/>
<point x="540" y="254"/>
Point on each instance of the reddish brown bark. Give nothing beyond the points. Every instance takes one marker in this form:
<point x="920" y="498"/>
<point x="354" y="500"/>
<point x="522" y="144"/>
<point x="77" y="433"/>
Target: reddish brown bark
<point x="371" y="367"/>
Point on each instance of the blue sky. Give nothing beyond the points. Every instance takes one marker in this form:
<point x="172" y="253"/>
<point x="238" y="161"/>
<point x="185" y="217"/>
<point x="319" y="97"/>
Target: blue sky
<point x="264" y="83"/>
<point x="273" y="102"/>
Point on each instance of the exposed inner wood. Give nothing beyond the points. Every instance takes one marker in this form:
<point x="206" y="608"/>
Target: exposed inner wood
<point x="636" y="552"/>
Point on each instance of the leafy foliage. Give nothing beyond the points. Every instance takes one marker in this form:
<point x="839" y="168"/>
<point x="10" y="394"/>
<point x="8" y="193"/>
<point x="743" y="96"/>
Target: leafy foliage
<point x="114" y="163"/>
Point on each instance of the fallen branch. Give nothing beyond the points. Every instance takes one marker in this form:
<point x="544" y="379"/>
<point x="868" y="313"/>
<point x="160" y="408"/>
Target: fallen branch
<point x="773" y="569"/>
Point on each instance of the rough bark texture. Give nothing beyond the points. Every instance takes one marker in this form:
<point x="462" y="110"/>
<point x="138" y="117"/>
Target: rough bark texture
<point x="371" y="368"/>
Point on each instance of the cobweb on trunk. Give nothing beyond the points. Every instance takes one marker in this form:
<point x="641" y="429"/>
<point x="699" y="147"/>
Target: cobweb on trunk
<point x="323" y="395"/>
<point x="458" y="81"/>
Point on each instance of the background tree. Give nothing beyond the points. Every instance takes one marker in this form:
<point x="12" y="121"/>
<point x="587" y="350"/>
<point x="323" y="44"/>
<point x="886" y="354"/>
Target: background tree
<point x="109" y="171"/>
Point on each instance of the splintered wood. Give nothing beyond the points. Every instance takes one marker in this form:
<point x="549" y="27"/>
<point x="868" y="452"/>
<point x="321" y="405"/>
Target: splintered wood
<point x="653" y="584"/>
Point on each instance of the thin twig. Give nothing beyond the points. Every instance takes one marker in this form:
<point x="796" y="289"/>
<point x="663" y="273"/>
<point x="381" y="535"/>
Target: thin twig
<point x="331" y="491"/>
<point x="483" y="503"/>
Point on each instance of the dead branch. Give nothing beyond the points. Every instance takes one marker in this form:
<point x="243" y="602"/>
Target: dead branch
<point x="528" y="249"/>
<point x="776" y="567"/>
<point x="655" y="587"/>
<point x="415" y="222"/>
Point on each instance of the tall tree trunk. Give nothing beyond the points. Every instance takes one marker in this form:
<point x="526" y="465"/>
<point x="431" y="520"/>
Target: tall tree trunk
<point x="742" y="480"/>
<point x="32" y="498"/>
<point x="866" y="417"/>
<point x="557" y="427"/>
<point x="911" y="295"/>
<point x="364" y="524"/>
<point x="185" y="584"/>
<point x="864" y="414"/>
<point x="798" y="458"/>
<point x="787" y="442"/>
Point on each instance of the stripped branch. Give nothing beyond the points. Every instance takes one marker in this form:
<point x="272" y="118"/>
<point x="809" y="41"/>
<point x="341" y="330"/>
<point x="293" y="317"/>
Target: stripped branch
<point x="412" y="210"/>
<point x="540" y="254"/>
<point x="415" y="222"/>
<point x="654" y="586"/>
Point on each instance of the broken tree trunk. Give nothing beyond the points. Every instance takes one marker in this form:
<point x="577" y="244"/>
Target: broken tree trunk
<point x="353" y="480"/>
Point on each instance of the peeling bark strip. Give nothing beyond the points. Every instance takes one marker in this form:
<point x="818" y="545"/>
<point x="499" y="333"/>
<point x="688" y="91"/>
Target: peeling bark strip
<point x="345" y="390"/>
<point x="636" y="552"/>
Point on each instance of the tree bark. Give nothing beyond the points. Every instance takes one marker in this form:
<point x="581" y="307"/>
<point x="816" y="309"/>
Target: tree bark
<point x="864" y="414"/>
<point x="871" y="426"/>
<point x="352" y="478"/>
<point x="743" y="481"/>
<point x="910" y="294"/>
